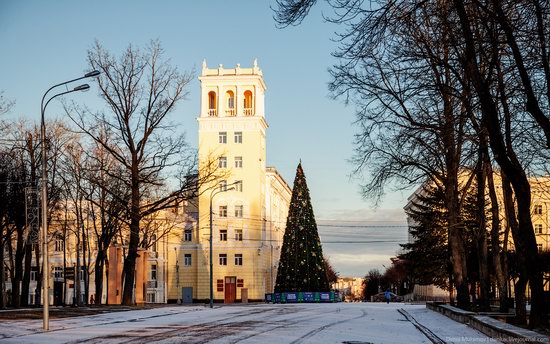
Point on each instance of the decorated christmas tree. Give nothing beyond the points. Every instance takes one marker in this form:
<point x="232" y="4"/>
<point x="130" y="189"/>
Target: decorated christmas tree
<point x="301" y="266"/>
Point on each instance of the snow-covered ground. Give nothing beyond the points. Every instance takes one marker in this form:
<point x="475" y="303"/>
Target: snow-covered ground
<point x="260" y="323"/>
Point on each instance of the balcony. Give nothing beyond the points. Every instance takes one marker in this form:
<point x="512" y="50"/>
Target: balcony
<point x="248" y="112"/>
<point x="230" y="113"/>
<point x="151" y="284"/>
<point x="212" y="113"/>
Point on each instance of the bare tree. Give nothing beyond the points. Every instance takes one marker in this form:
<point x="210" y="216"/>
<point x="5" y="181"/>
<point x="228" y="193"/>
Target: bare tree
<point x="499" y="58"/>
<point x="141" y="90"/>
<point x="5" y="104"/>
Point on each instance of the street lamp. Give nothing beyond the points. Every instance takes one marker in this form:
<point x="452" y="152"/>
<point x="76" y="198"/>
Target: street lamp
<point x="212" y="194"/>
<point x="44" y="189"/>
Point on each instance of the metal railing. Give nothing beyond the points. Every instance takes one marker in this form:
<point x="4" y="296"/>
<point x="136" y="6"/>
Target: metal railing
<point x="212" y="112"/>
<point x="248" y="111"/>
<point x="230" y="112"/>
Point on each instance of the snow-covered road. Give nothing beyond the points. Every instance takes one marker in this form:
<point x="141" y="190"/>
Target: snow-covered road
<point x="261" y="323"/>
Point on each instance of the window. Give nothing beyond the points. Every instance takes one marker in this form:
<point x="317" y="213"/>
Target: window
<point x="539" y="247"/>
<point x="239" y="162"/>
<point x="238" y="259"/>
<point x="230" y="102"/>
<point x="223" y="234"/>
<point x="222" y="162"/>
<point x="222" y="137"/>
<point x="154" y="243"/>
<point x="238" y="234"/>
<point x="57" y="272"/>
<point x="34" y="273"/>
<point x="153" y="272"/>
<point x="188" y="235"/>
<point x="238" y="211"/>
<point x="223" y="259"/>
<point x="248" y="111"/>
<point x="240" y="283"/>
<point x="238" y="137"/>
<point x="59" y="245"/>
<point x="151" y="297"/>
<point x="223" y="185"/>
<point x="82" y="245"/>
<point x="212" y="104"/>
<point x="239" y="185"/>
<point x="81" y="273"/>
<point x="538" y="228"/>
<point x="223" y="211"/>
<point x="219" y="285"/>
<point x="187" y="260"/>
<point x="538" y="209"/>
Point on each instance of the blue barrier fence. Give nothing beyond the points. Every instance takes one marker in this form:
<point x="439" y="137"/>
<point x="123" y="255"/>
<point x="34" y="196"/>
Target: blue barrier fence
<point x="300" y="297"/>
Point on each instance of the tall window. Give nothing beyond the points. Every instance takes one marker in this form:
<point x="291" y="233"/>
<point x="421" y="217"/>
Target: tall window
<point x="238" y="234"/>
<point x="539" y="247"/>
<point x="223" y="259"/>
<point x="238" y="259"/>
<point x="538" y="228"/>
<point x="238" y="211"/>
<point x="238" y="162"/>
<point x="223" y="211"/>
<point x="248" y="110"/>
<point x="154" y="243"/>
<point x="187" y="260"/>
<point x="59" y="245"/>
<point x="223" y="234"/>
<point x="238" y="137"/>
<point x="222" y="162"/>
<point x="153" y="272"/>
<point x="230" y="102"/>
<point x="538" y="209"/>
<point x="239" y="185"/>
<point x="222" y="137"/>
<point x="34" y="273"/>
<point x="188" y="235"/>
<point x="223" y="185"/>
<point x="58" y="272"/>
<point x="212" y="108"/>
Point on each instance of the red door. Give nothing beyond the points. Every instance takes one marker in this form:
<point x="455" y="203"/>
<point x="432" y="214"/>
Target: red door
<point x="230" y="289"/>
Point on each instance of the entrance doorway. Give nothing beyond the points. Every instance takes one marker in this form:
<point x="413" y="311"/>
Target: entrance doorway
<point x="57" y="293"/>
<point x="230" y="289"/>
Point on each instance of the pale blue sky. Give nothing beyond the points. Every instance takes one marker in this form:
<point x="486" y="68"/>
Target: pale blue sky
<point x="45" y="42"/>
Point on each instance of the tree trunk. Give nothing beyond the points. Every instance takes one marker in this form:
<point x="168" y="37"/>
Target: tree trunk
<point x="521" y="261"/>
<point x="38" y="291"/>
<point x="456" y="237"/>
<point x="498" y="253"/>
<point x="25" y="285"/>
<point x="521" y="311"/>
<point x="130" y="260"/>
<point x="2" y="281"/>
<point x="481" y="235"/>
<point x="98" y="271"/>
<point x="18" y="267"/>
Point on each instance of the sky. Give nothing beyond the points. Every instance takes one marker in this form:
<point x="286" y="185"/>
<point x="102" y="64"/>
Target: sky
<point x="45" y="42"/>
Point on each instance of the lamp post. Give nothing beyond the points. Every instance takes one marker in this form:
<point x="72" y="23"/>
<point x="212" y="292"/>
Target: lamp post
<point x="212" y="194"/>
<point x="44" y="190"/>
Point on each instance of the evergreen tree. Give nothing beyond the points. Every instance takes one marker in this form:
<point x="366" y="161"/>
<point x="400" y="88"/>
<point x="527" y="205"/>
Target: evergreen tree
<point x="428" y="254"/>
<point x="301" y="267"/>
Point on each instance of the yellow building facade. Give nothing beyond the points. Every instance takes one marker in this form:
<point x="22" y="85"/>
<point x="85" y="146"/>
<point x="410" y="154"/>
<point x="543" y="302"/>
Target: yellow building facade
<point x="248" y="204"/>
